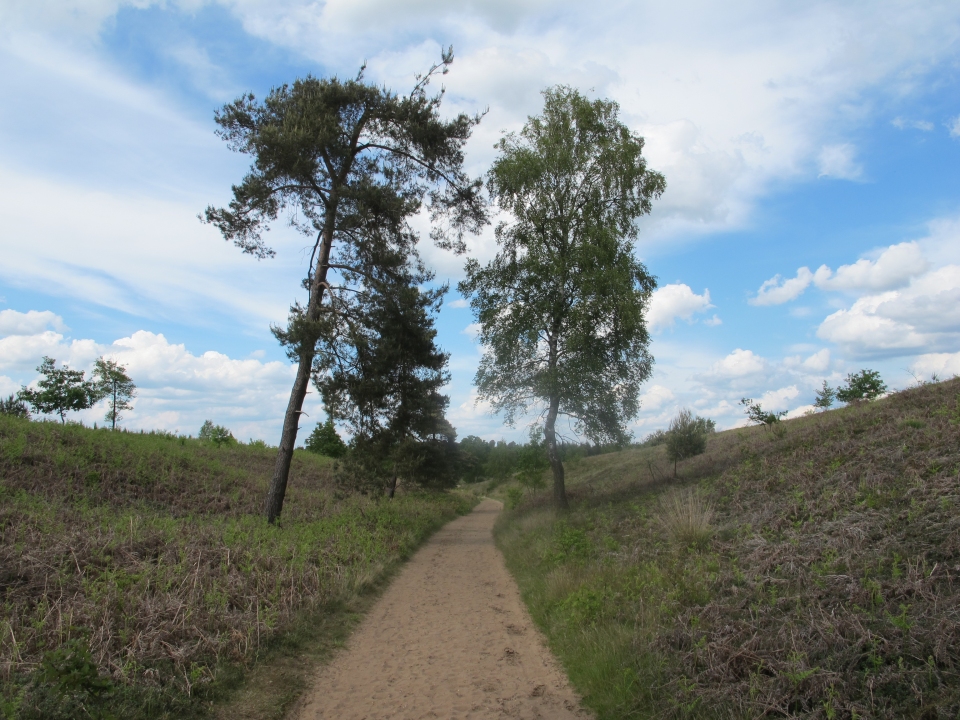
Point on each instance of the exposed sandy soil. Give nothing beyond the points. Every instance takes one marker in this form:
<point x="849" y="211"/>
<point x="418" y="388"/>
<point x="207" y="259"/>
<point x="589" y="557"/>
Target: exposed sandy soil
<point x="450" y="638"/>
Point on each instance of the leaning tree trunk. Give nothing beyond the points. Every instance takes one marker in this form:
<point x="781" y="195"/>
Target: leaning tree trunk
<point x="291" y="419"/>
<point x="553" y="456"/>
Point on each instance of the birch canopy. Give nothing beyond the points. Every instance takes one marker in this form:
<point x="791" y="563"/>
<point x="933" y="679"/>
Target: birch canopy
<point x="561" y="307"/>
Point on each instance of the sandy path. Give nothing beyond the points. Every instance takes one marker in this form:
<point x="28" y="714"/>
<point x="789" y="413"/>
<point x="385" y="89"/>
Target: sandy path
<point x="450" y="638"/>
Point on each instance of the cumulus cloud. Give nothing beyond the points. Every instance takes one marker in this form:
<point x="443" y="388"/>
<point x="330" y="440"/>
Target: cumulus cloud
<point x="738" y="364"/>
<point x="926" y="315"/>
<point x="839" y="162"/>
<point x="777" y="400"/>
<point x="674" y="301"/>
<point x="893" y="268"/>
<point x="29" y="323"/>
<point x="656" y="397"/>
<point x="459" y="303"/>
<point x="943" y="365"/>
<point x="472" y="331"/>
<point x="818" y="362"/>
<point x="177" y="389"/>
<point x="777" y="291"/>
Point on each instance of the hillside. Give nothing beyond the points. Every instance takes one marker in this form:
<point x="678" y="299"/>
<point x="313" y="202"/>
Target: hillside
<point x="811" y="574"/>
<point x="138" y="578"/>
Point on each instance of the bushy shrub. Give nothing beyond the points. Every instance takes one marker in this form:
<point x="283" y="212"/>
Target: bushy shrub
<point x="217" y="434"/>
<point x="758" y="415"/>
<point x="14" y="406"/>
<point x="687" y="436"/>
<point x="864" y="385"/>
<point x="324" y="440"/>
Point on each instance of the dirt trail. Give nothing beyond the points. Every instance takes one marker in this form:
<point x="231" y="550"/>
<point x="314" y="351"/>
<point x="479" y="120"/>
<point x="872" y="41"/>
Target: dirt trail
<point x="450" y="638"/>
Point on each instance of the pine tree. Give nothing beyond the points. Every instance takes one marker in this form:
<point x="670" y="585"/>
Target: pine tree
<point x="383" y="377"/>
<point x="324" y="440"/>
<point x="351" y="162"/>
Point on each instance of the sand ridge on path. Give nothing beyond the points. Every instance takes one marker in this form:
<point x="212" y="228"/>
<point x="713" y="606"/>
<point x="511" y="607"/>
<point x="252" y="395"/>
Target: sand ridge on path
<point x="450" y="638"/>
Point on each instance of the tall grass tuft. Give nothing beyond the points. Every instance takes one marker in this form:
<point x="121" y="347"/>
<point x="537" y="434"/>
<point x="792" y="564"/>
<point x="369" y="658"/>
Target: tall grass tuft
<point x="686" y="518"/>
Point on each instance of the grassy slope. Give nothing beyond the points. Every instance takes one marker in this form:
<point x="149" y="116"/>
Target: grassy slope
<point x="151" y="550"/>
<point x="827" y="585"/>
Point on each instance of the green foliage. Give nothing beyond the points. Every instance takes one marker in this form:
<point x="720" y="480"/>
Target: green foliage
<point x="68" y="685"/>
<point x="154" y="520"/>
<point x="514" y="496"/>
<point x="687" y="436"/>
<point x="863" y="385"/>
<point x="736" y="596"/>
<point x="561" y="306"/>
<point x="825" y="397"/>
<point x="111" y="382"/>
<point x="657" y="437"/>
<point x="350" y="163"/>
<point x="14" y="407"/>
<point x="60" y="390"/>
<point x="216" y="434"/>
<point x="759" y="416"/>
<point x="324" y="440"/>
<point x="389" y="391"/>
<point x="532" y="463"/>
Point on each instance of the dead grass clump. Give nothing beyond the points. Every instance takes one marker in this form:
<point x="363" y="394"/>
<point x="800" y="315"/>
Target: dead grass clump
<point x="686" y="517"/>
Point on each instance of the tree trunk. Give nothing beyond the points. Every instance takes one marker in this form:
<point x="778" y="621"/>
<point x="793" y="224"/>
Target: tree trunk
<point x="550" y="435"/>
<point x="113" y="415"/>
<point x="392" y="488"/>
<point x="291" y="419"/>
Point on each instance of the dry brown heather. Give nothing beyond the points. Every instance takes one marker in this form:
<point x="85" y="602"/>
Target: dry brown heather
<point x="826" y="584"/>
<point x="150" y="551"/>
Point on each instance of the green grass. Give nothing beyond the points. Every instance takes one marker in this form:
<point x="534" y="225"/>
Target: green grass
<point x="142" y="561"/>
<point x="812" y="574"/>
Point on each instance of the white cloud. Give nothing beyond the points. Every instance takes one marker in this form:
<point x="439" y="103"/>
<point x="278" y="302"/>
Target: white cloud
<point x="903" y="124"/>
<point x="136" y="254"/>
<point x="7" y="387"/>
<point x="29" y="323"/>
<point x="472" y="331"/>
<point x="893" y="268"/>
<point x="729" y="100"/>
<point x="944" y="365"/>
<point x="714" y="321"/>
<point x="22" y="351"/>
<point x="177" y="390"/>
<point x="675" y="301"/>
<point x="777" y="400"/>
<point x="925" y="315"/>
<point x="838" y="161"/>
<point x="954" y="126"/>
<point x="800" y="411"/>
<point x="458" y="303"/>
<point x="656" y="397"/>
<point x="740" y="363"/>
<point x="777" y="291"/>
<point x="818" y="362"/>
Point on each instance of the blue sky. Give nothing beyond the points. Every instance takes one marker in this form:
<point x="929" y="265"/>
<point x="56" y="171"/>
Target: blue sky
<point x="810" y="228"/>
